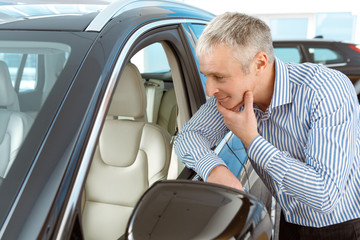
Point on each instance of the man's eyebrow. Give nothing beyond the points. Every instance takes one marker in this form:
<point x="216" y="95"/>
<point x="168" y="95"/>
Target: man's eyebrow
<point x="212" y="73"/>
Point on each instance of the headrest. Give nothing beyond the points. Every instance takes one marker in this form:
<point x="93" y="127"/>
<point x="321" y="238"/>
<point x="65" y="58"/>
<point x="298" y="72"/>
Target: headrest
<point x="8" y="96"/>
<point x="129" y="99"/>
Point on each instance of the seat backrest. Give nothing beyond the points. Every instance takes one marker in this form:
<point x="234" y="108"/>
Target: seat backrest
<point x="14" y="124"/>
<point x="168" y="111"/>
<point x="8" y="97"/>
<point x="130" y="156"/>
<point x="154" y="91"/>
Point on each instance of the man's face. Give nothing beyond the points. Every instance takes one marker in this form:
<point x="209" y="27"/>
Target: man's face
<point x="225" y="79"/>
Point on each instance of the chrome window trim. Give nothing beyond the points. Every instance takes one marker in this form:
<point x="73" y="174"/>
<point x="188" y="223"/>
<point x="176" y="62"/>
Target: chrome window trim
<point x="335" y="64"/>
<point x="91" y="145"/>
<point x="107" y="14"/>
<point x="118" y="7"/>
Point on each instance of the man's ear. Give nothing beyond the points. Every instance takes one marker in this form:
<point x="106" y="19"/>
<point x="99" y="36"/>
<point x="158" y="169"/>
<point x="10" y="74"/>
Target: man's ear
<point x="260" y="62"/>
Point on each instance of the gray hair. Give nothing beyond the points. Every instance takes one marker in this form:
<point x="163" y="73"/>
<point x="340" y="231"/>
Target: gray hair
<point x="246" y="35"/>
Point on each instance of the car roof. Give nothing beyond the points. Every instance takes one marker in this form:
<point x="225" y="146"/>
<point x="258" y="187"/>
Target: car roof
<point x="81" y="17"/>
<point x="74" y="17"/>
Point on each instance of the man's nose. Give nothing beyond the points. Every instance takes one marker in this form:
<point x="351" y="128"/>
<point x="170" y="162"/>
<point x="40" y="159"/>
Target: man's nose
<point x="211" y="88"/>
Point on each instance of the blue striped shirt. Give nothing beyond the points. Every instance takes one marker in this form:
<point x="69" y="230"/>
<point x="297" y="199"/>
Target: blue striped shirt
<point x="308" y="150"/>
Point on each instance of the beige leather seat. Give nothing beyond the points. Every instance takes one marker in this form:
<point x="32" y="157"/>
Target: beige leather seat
<point x="154" y="91"/>
<point x="131" y="155"/>
<point x="168" y="111"/>
<point x="14" y="124"/>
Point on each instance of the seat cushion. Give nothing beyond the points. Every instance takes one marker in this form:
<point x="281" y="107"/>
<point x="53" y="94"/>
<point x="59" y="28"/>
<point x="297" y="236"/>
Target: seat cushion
<point x="129" y="158"/>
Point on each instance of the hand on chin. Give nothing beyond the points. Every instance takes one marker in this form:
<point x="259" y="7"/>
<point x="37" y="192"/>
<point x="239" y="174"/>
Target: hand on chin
<point x="233" y="109"/>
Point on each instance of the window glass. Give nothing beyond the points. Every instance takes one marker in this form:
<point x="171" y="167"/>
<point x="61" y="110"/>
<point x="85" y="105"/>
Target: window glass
<point x="21" y="60"/>
<point x="325" y="56"/>
<point x="151" y="59"/>
<point x="198" y="29"/>
<point x="13" y="61"/>
<point x="232" y="151"/>
<point x="155" y="70"/>
<point x="336" y="26"/>
<point x="23" y="67"/>
<point x="289" y="28"/>
<point x="29" y="77"/>
<point x="39" y="69"/>
<point x="288" y="54"/>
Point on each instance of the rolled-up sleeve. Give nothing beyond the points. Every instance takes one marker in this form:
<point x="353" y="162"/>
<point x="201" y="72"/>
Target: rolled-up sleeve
<point x="194" y="142"/>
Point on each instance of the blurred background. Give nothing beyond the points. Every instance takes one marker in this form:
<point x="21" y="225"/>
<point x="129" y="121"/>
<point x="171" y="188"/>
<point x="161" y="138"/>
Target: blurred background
<point x="306" y="19"/>
<point x="333" y="20"/>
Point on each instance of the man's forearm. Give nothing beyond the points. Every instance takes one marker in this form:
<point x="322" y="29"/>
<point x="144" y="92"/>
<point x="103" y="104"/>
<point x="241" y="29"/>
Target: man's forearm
<point x="222" y="175"/>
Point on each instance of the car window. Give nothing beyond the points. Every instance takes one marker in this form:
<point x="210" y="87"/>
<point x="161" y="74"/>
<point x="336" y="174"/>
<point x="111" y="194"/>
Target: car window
<point x="27" y="74"/>
<point x="20" y="61"/>
<point x="24" y="68"/>
<point x="151" y="59"/>
<point x="36" y="72"/>
<point x="325" y="55"/>
<point x="288" y="54"/>
<point x="155" y="70"/>
<point x="197" y="29"/>
<point x="29" y="78"/>
<point x="232" y="151"/>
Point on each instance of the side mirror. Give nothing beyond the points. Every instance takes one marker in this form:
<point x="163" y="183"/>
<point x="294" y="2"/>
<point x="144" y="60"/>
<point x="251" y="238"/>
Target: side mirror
<point x="181" y="209"/>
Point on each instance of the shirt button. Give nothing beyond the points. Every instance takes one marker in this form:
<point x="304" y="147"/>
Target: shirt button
<point x="279" y="192"/>
<point x="287" y="213"/>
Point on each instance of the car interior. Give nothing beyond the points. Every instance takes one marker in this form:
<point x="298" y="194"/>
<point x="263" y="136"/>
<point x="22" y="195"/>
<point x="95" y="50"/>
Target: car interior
<point x="14" y="124"/>
<point x="135" y="148"/>
<point x="131" y="155"/>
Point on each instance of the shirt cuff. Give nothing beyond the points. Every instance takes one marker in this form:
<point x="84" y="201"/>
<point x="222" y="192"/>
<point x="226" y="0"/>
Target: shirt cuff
<point x="206" y="164"/>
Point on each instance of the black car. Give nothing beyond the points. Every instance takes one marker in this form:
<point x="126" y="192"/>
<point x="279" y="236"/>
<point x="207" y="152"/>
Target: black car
<point x="91" y="98"/>
<point x="341" y="56"/>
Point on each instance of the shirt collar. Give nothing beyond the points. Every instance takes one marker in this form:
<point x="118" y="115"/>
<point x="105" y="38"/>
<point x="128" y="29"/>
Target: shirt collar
<point x="282" y="93"/>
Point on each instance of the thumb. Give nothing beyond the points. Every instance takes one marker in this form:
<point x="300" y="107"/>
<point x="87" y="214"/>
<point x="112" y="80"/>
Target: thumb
<point x="221" y="108"/>
<point x="249" y="101"/>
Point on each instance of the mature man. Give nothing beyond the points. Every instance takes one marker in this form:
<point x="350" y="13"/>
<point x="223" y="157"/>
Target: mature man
<point x="299" y="123"/>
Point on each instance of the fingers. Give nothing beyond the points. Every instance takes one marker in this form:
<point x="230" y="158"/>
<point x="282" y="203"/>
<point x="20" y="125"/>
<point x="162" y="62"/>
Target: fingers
<point x="248" y="102"/>
<point x="221" y="108"/>
<point x="248" y="105"/>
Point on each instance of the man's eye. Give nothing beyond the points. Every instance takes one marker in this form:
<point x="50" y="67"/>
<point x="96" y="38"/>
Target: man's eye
<point x="219" y="77"/>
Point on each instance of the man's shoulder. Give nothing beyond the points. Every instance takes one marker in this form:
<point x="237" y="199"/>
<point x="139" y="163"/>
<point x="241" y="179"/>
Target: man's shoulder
<point x="321" y="81"/>
<point x="313" y="75"/>
<point x="301" y="70"/>
<point x="299" y="73"/>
